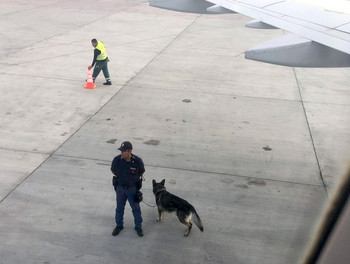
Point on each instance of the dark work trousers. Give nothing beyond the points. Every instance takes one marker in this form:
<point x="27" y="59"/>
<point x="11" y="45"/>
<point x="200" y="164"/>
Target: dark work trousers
<point x="101" y="65"/>
<point x="124" y="194"/>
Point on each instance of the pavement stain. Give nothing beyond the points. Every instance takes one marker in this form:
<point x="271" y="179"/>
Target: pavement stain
<point x="187" y="101"/>
<point x="174" y="155"/>
<point x="112" y="141"/>
<point x="242" y="186"/>
<point x="103" y="164"/>
<point x="257" y="182"/>
<point x="267" y="148"/>
<point x="152" y="142"/>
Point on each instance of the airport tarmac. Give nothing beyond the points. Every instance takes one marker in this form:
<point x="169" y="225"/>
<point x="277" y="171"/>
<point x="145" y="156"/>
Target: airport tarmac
<point x="256" y="148"/>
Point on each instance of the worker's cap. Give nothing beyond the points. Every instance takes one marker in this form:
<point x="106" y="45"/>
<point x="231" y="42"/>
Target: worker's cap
<point x="125" y="146"/>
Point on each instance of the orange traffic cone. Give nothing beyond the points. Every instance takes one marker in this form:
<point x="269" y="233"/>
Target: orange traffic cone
<point x="89" y="81"/>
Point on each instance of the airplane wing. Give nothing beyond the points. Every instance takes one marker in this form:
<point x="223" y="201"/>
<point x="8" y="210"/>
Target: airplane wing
<point x="318" y="37"/>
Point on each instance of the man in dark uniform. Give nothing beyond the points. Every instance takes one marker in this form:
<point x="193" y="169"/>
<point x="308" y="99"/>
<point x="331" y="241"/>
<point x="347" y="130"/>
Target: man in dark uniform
<point x="128" y="170"/>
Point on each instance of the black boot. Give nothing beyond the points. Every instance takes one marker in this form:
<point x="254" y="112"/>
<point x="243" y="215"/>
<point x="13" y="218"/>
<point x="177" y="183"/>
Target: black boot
<point x="139" y="231"/>
<point x="117" y="230"/>
<point x="107" y="83"/>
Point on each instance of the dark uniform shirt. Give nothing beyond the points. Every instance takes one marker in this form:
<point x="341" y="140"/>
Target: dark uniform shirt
<point x="128" y="173"/>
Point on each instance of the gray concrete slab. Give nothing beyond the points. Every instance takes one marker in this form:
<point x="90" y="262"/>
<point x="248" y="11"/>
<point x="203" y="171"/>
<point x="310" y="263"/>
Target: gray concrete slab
<point x="252" y="146"/>
<point x="330" y="138"/>
<point x="16" y="166"/>
<point x="228" y="137"/>
<point x="327" y="108"/>
<point x="66" y="217"/>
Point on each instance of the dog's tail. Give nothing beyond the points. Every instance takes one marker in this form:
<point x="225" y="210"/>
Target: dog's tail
<point x="196" y="219"/>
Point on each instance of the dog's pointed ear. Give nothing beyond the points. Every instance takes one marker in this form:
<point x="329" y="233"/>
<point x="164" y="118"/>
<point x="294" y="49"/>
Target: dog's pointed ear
<point x="163" y="182"/>
<point x="154" y="182"/>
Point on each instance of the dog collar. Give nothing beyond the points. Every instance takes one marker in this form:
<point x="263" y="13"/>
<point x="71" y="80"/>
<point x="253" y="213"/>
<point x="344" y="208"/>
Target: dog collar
<point x="163" y="189"/>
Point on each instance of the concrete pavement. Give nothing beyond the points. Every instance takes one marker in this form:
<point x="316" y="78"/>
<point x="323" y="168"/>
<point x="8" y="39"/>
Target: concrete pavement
<point x="254" y="147"/>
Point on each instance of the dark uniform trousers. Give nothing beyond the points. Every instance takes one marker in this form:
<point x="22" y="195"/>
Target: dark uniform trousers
<point x="101" y="65"/>
<point x="124" y="194"/>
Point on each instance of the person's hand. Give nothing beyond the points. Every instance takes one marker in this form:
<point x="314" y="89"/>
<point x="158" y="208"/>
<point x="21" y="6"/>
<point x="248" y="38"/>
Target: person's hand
<point x="89" y="68"/>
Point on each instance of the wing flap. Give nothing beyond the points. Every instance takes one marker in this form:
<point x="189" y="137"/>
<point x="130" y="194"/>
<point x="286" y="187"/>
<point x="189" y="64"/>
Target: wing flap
<point x="309" y="14"/>
<point x="278" y="14"/>
<point x="344" y="28"/>
<point x="292" y="50"/>
<point x="320" y="38"/>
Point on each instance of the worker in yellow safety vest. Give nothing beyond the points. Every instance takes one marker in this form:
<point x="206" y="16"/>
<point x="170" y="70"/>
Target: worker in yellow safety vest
<point x="101" y="60"/>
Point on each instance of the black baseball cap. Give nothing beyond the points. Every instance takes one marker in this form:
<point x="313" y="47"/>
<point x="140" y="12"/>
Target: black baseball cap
<point x="125" y="146"/>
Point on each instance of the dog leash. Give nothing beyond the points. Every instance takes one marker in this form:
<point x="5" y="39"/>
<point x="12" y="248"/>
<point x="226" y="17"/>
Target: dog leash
<point x="148" y="204"/>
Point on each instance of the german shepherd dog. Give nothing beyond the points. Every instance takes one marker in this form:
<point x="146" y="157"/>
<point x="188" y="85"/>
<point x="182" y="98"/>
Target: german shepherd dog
<point x="171" y="203"/>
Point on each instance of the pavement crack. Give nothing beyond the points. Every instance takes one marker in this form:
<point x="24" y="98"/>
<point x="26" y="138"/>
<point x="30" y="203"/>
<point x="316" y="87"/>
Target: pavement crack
<point x="104" y="162"/>
<point x="310" y="133"/>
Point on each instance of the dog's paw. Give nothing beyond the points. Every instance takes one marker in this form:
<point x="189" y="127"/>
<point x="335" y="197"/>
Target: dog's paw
<point x="158" y="219"/>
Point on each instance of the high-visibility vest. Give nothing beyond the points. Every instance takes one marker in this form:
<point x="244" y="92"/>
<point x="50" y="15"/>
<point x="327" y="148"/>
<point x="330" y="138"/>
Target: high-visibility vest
<point x="101" y="48"/>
